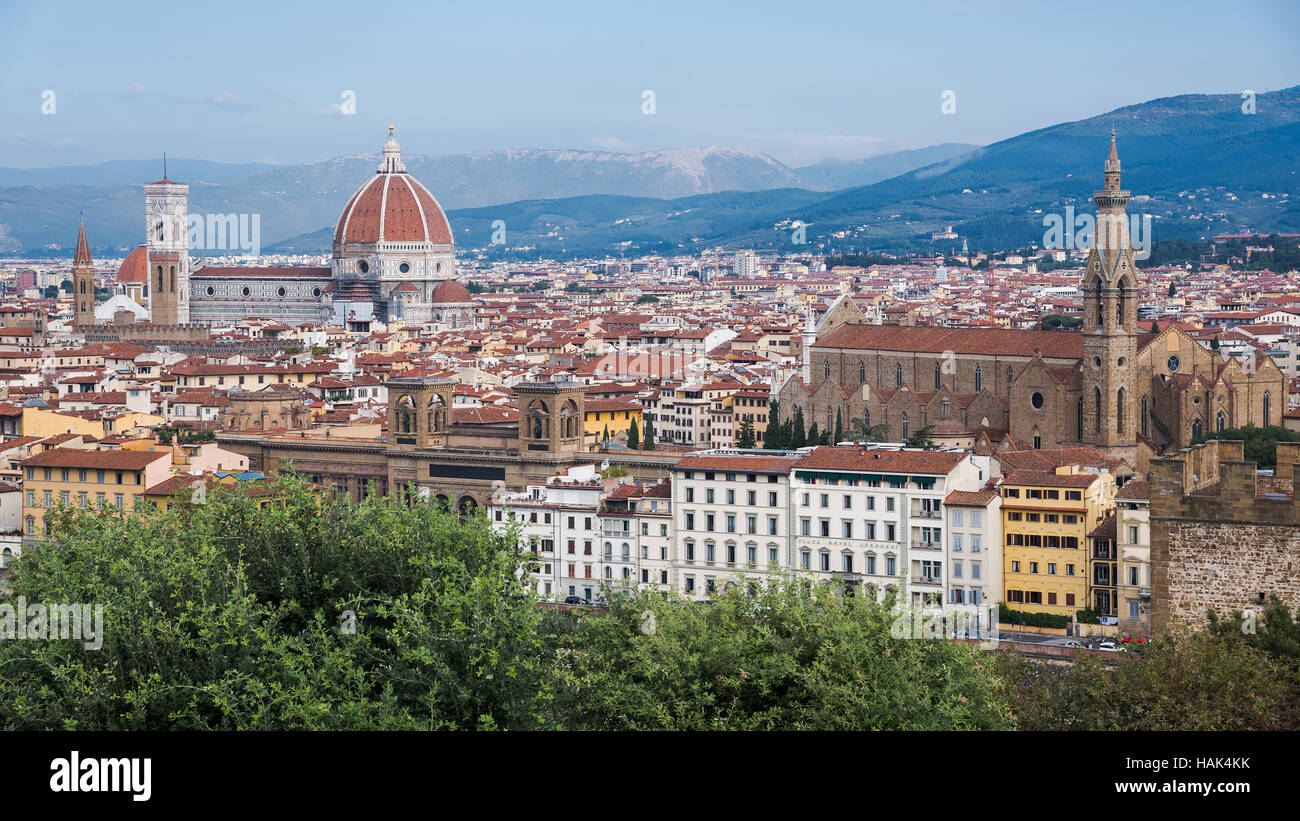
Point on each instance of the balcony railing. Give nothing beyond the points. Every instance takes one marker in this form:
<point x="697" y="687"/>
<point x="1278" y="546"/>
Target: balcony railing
<point x="925" y="514"/>
<point x="927" y="545"/>
<point x="930" y="580"/>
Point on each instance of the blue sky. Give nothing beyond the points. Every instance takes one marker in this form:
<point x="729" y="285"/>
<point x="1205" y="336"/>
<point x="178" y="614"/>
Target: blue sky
<point x="262" y="81"/>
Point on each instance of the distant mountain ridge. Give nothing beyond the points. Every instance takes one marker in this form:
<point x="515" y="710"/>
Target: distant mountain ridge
<point x="297" y="199"/>
<point x="1196" y="164"/>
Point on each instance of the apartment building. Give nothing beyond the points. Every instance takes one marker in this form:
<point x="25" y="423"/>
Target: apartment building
<point x="974" y="522"/>
<point x="560" y="526"/>
<point x="1046" y="519"/>
<point x="617" y="525"/>
<point x="88" y="478"/>
<point x="1133" y="533"/>
<point x="652" y="509"/>
<point x="730" y="510"/>
<point x="872" y="519"/>
<point x="682" y="417"/>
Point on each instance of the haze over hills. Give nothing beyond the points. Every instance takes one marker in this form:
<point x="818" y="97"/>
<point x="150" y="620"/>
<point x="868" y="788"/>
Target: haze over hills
<point x="1196" y="163"/>
<point x="295" y="199"/>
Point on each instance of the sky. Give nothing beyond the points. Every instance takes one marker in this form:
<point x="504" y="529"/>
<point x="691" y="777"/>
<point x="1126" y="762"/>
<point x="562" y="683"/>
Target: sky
<point x="803" y="82"/>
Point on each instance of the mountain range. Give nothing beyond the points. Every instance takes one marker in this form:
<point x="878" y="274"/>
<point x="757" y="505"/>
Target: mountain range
<point x="1197" y="164"/>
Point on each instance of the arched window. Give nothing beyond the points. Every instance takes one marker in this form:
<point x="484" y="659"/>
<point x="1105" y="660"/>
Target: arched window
<point x="1144" y="418"/>
<point x="1101" y="317"/>
<point x="1096" y="408"/>
<point x="866" y="420"/>
<point x="1008" y="379"/>
<point x="1197" y="430"/>
<point x="1079" y="436"/>
<point x="1220" y="422"/>
<point x="173" y="271"/>
<point x="826" y="369"/>
<point x="898" y="375"/>
<point x="1267" y="403"/>
<point x="160" y="281"/>
<point x="862" y="372"/>
<point x="906" y="427"/>
<point x="1119" y="411"/>
<point x="979" y="379"/>
<point x="937" y="378"/>
<point x="1038" y="439"/>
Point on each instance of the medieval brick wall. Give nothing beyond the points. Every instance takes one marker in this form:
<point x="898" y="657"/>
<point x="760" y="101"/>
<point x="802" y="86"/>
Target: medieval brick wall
<point x="1222" y="537"/>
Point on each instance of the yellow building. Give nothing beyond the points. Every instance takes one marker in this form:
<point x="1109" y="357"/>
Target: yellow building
<point x="83" y="478"/>
<point x="616" y="415"/>
<point x="1046" y="519"/>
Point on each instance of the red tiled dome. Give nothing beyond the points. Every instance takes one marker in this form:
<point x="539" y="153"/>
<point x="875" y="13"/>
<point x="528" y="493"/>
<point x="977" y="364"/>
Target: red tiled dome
<point x="451" y="292"/>
<point x="394" y="208"/>
<point x="135" y="268"/>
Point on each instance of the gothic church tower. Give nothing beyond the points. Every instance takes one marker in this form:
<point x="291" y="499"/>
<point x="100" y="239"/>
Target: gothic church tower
<point x="83" y="282"/>
<point x="1107" y="416"/>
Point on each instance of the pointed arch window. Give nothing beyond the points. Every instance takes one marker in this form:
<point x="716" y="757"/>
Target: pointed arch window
<point x="979" y="378"/>
<point x="862" y="372"/>
<point x="906" y="427"/>
<point x="1145" y="434"/>
<point x="826" y="369"/>
<point x="1197" y="429"/>
<point x="1268" y="401"/>
<point x="1008" y="378"/>
<point x="866" y="420"/>
<point x="1119" y="411"/>
<point x="1079" y="411"/>
<point x="938" y="378"/>
<point x="898" y="375"/>
<point x="1096" y="409"/>
<point x="1220" y="422"/>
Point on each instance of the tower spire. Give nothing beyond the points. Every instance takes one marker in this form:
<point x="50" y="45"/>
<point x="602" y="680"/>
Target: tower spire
<point x="82" y="255"/>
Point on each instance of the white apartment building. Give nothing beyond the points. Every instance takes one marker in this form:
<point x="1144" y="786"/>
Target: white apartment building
<point x="1133" y="541"/>
<point x="561" y="528"/>
<point x="682" y="418"/>
<point x="730" y="511"/>
<point x="974" y="522"/>
<point x="872" y="519"/>
<point x="652" y="509"/>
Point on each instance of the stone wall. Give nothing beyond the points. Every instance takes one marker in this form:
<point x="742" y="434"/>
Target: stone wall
<point x="1229" y="540"/>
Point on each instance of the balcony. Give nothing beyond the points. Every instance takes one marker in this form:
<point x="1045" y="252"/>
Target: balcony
<point x="925" y="514"/>
<point x="1144" y="593"/>
<point x="927" y="545"/>
<point x="933" y="581"/>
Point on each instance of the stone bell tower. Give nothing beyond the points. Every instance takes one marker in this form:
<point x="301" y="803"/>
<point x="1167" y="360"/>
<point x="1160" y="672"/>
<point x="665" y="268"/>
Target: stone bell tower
<point x="1110" y="297"/>
<point x="168" y="285"/>
<point x="419" y="411"/>
<point x="550" y="417"/>
<point x="83" y="282"/>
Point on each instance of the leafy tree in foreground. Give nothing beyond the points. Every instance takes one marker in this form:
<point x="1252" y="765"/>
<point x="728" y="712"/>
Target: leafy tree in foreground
<point x="224" y="616"/>
<point x="789" y="656"/>
<point x="1180" y="681"/>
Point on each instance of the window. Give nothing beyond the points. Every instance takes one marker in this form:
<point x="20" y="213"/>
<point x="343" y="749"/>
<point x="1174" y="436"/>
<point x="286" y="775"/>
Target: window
<point x="848" y="529"/>
<point x="825" y="559"/>
<point x="805" y="527"/>
<point x="805" y="558"/>
<point x="848" y="563"/>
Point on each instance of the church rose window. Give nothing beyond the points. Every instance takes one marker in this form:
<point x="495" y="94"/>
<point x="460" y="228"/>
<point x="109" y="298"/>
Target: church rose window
<point x="1036" y="399"/>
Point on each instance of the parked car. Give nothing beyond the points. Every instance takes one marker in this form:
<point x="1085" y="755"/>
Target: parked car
<point x="1073" y="643"/>
<point x="575" y="600"/>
